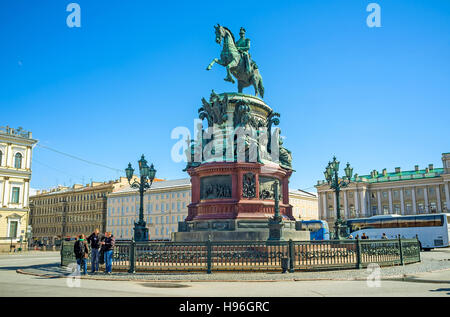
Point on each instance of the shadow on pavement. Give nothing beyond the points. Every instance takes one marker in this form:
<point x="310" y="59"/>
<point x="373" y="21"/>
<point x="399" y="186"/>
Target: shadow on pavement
<point x="441" y="290"/>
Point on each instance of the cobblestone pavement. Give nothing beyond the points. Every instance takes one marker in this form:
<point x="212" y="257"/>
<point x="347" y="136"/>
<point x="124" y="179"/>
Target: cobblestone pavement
<point x="436" y="260"/>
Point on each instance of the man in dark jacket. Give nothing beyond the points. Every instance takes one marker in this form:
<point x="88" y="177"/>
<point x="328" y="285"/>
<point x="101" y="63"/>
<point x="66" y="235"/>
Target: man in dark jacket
<point x="94" y="240"/>
<point x="81" y="251"/>
<point x="108" y="242"/>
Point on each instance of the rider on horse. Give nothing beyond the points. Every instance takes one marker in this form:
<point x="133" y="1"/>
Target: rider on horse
<point x="243" y="46"/>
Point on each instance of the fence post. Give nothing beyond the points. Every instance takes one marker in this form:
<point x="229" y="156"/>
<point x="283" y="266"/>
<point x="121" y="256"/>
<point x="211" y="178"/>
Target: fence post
<point x="61" y="252"/>
<point x="132" y="257"/>
<point x="358" y="254"/>
<point x="401" y="250"/>
<point x="208" y="255"/>
<point x="418" y="244"/>
<point x="291" y="256"/>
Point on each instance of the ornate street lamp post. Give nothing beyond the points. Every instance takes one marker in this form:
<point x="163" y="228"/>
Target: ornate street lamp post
<point x="276" y="222"/>
<point x="147" y="176"/>
<point x="331" y="175"/>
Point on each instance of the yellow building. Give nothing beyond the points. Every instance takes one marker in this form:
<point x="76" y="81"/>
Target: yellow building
<point x="304" y="205"/>
<point x="165" y="204"/>
<point x="16" y="146"/>
<point x="70" y="211"/>
<point x="418" y="191"/>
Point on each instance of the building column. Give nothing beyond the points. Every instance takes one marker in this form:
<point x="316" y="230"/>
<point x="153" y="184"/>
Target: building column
<point x="363" y="210"/>
<point x="367" y="202"/>
<point x="413" y="197"/>
<point x="379" y="202"/>
<point x="9" y="156"/>
<point x="402" y="202"/>
<point x="391" y="208"/>
<point x="325" y="208"/>
<point x="26" y="191"/>
<point x="357" y="202"/>
<point x="27" y="162"/>
<point x="438" y="199"/>
<point x="447" y="196"/>
<point x="346" y="212"/>
<point x="6" y="192"/>
<point x="320" y="206"/>
<point x="425" y="196"/>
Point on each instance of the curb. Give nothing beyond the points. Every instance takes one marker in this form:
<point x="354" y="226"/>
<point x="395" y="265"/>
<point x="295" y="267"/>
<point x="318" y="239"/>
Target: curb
<point x="402" y="277"/>
<point x="36" y="274"/>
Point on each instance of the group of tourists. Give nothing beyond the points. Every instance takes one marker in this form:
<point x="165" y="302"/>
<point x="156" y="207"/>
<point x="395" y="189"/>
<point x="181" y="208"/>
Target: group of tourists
<point x="101" y="251"/>
<point x="364" y="237"/>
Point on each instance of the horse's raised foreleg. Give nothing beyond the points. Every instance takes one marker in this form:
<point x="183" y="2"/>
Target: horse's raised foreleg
<point x="229" y="66"/>
<point x="215" y="60"/>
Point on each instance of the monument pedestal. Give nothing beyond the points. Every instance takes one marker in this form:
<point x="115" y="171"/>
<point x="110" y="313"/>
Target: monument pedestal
<point x="232" y="192"/>
<point x="235" y="230"/>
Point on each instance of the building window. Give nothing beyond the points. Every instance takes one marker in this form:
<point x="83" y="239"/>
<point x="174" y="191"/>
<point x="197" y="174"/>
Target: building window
<point x="433" y="207"/>
<point x="15" y="195"/>
<point x="374" y="210"/>
<point x="18" y="160"/>
<point x="385" y="210"/>
<point x="421" y="207"/>
<point x="384" y="194"/>
<point x="397" y="209"/>
<point x="13" y="226"/>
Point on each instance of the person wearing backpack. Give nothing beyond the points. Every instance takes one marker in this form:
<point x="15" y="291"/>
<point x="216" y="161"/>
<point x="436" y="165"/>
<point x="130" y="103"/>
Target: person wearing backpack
<point x="81" y="251"/>
<point x="108" y="242"/>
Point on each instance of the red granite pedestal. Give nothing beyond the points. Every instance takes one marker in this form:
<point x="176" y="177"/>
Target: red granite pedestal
<point x="235" y="216"/>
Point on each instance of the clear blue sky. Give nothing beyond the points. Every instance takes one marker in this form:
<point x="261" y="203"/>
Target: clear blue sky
<point x="116" y="87"/>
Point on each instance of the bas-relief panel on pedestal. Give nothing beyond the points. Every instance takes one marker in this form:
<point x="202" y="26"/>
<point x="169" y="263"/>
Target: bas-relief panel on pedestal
<point x="266" y="191"/>
<point x="213" y="187"/>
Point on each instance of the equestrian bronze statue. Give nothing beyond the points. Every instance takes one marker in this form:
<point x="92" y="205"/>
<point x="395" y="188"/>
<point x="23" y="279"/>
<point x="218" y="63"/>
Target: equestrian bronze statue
<point x="237" y="60"/>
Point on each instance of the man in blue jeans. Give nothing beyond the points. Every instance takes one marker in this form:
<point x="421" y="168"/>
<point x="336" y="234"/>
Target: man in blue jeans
<point x="94" y="240"/>
<point x="108" y="242"/>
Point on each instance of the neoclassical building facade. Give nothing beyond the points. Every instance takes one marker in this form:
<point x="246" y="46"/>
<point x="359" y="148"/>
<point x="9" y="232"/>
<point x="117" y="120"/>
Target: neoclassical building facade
<point x="400" y="192"/>
<point x="16" y="147"/>
<point x="165" y="204"/>
<point x="304" y="205"/>
<point x="70" y="211"/>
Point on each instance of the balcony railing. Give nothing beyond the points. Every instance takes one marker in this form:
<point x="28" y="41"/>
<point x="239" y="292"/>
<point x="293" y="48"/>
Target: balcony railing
<point x="19" y="132"/>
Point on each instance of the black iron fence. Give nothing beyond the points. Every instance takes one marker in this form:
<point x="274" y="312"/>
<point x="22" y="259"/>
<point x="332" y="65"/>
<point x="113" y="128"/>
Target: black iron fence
<point x="255" y="256"/>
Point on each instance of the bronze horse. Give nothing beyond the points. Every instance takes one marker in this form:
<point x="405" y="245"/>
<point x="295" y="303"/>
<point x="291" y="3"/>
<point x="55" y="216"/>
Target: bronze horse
<point x="232" y="59"/>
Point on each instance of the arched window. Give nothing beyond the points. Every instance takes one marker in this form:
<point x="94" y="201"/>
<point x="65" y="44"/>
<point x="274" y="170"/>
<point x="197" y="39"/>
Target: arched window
<point x="18" y="160"/>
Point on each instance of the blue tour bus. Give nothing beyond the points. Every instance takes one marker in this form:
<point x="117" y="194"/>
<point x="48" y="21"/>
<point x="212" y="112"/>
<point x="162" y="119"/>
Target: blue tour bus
<point x="318" y="229"/>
